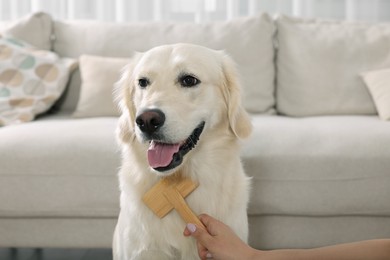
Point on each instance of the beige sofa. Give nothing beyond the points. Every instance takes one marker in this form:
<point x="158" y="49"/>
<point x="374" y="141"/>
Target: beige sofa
<point x="319" y="154"/>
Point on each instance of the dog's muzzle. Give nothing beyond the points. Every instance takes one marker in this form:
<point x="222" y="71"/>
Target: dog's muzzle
<point x="164" y="156"/>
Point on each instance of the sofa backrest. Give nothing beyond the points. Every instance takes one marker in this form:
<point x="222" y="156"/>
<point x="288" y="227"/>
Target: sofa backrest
<point x="319" y="65"/>
<point x="249" y="41"/>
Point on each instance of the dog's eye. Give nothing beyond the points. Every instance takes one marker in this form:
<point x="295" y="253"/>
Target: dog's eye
<point x="189" y="81"/>
<point x="143" y="82"/>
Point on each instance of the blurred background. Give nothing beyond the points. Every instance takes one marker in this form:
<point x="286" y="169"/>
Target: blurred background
<point x="195" y="10"/>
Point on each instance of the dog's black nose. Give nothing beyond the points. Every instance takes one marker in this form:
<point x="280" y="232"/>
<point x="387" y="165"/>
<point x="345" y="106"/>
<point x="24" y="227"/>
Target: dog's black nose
<point x="149" y="121"/>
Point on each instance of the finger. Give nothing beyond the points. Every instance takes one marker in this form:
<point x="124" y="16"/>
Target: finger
<point x="186" y="232"/>
<point x="206" y="219"/>
<point x="210" y="223"/>
<point x="202" y="251"/>
<point x="201" y="235"/>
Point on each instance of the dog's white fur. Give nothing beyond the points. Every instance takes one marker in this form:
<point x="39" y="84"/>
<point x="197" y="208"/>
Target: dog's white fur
<point x="214" y="162"/>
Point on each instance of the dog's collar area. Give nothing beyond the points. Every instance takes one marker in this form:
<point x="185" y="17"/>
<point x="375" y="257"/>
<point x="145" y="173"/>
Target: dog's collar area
<point x="179" y="152"/>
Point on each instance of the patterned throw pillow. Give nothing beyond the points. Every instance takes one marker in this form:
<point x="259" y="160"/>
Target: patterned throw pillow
<point x="31" y="80"/>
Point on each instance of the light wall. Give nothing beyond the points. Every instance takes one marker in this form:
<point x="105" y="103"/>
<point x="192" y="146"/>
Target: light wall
<point x="195" y="10"/>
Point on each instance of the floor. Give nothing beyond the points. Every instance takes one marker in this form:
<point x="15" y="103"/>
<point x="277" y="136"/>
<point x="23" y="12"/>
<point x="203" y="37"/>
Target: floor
<point x="54" y="254"/>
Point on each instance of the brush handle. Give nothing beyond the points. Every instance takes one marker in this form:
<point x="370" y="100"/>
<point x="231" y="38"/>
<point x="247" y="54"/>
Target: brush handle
<point x="178" y="202"/>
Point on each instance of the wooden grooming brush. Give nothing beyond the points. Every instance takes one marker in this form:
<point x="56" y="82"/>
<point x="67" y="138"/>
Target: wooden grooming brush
<point x="168" y="194"/>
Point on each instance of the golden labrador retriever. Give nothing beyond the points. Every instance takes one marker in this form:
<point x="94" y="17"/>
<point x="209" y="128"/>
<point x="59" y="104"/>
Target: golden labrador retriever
<point x="181" y="109"/>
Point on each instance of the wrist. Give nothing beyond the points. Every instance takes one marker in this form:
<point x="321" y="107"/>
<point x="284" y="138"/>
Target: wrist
<point x="254" y="254"/>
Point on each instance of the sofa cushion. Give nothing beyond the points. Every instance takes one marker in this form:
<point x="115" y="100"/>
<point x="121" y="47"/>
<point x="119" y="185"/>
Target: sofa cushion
<point x="248" y="40"/>
<point x="319" y="63"/>
<point x="35" y="29"/>
<point x="98" y="76"/>
<point x="31" y="80"/>
<point x="378" y="83"/>
<point x="59" y="167"/>
<point x="280" y="231"/>
<point x="319" y="166"/>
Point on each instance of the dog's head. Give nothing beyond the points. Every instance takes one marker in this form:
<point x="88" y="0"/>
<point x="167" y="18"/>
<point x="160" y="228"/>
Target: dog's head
<point x="172" y="95"/>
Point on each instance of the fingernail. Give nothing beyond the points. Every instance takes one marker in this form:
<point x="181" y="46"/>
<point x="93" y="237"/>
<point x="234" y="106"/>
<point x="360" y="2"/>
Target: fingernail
<point x="209" y="255"/>
<point x="191" y="227"/>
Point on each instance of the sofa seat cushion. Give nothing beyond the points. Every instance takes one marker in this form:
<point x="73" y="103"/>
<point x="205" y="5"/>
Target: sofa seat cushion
<point x="319" y="166"/>
<point x="59" y="166"/>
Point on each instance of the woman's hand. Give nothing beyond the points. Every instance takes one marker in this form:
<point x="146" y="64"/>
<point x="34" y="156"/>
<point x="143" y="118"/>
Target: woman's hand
<point x="219" y="241"/>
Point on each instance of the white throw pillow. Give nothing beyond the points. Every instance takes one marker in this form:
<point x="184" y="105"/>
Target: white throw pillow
<point x="31" y="80"/>
<point x="98" y="76"/>
<point x="319" y="63"/>
<point x="378" y="83"/>
<point x="249" y="41"/>
<point x="35" y="29"/>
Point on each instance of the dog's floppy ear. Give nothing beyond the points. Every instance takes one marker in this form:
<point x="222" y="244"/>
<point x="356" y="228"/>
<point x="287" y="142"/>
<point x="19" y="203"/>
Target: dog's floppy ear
<point x="239" y="119"/>
<point x="123" y="95"/>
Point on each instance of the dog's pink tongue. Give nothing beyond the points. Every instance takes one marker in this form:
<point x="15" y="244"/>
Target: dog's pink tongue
<point x="161" y="155"/>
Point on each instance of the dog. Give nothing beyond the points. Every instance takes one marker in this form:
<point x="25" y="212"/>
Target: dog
<point x="180" y="109"/>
